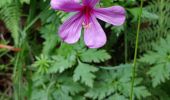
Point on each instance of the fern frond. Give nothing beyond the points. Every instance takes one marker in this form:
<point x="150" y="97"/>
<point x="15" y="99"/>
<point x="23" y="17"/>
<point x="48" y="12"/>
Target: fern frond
<point x="11" y="15"/>
<point x="4" y="2"/>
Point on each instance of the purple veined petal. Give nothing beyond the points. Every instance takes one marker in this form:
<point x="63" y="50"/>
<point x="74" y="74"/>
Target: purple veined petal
<point x="77" y="0"/>
<point x="94" y="36"/>
<point x="65" y="5"/>
<point x="91" y="3"/>
<point x="70" y="31"/>
<point x="114" y="15"/>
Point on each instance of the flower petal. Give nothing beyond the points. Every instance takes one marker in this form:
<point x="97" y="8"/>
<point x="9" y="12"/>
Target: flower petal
<point x="76" y="0"/>
<point x="94" y="36"/>
<point x="70" y="31"/>
<point x="114" y="15"/>
<point x="91" y="3"/>
<point x="65" y="5"/>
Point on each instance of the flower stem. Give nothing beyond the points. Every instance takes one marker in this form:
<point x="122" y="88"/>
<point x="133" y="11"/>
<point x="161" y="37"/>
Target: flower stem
<point x="126" y="46"/>
<point x="136" y="51"/>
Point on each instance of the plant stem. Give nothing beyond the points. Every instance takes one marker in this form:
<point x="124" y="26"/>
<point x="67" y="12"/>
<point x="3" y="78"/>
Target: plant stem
<point x="136" y="51"/>
<point x="32" y="11"/>
<point x="160" y="21"/>
<point x="19" y="62"/>
<point x="18" y="75"/>
<point x="126" y="47"/>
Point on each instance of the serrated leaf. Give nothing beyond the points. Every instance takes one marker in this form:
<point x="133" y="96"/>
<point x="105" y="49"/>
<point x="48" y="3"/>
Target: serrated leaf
<point x="159" y="73"/>
<point x="60" y="65"/>
<point x="117" y="97"/>
<point x="71" y="87"/>
<point x="120" y="81"/>
<point x="51" y="39"/>
<point x="66" y="50"/>
<point x="141" y="92"/>
<point x="150" y="58"/>
<point x="62" y="88"/>
<point x="39" y="94"/>
<point x="159" y="61"/>
<point x="66" y="88"/>
<point x="84" y="72"/>
<point x="60" y="95"/>
<point x="93" y="55"/>
<point x="100" y="91"/>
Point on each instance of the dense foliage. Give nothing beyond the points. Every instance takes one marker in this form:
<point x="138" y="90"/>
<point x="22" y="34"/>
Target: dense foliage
<point x="46" y="68"/>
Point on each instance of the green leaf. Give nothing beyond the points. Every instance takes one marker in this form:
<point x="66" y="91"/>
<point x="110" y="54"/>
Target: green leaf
<point x="60" y="95"/>
<point x="84" y="72"/>
<point x="93" y="55"/>
<point x="117" y="97"/>
<point x="66" y="88"/>
<point x="145" y="14"/>
<point x="117" y="81"/>
<point x="150" y="58"/>
<point x="141" y="92"/>
<point x="100" y="91"/>
<point x="71" y="87"/>
<point x="60" y="64"/>
<point x="5" y="2"/>
<point x="158" y="60"/>
<point x="66" y="50"/>
<point x="159" y="73"/>
<point x="39" y="94"/>
<point x="51" y="39"/>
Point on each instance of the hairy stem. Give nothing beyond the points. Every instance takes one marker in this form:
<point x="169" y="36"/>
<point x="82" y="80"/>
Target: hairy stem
<point x="136" y="51"/>
<point x="126" y="46"/>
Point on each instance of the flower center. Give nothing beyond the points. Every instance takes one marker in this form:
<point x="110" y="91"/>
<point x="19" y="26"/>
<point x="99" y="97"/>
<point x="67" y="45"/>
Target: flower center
<point x="87" y="13"/>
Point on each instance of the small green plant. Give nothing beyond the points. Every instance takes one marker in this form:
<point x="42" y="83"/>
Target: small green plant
<point x="42" y="64"/>
<point x="46" y="68"/>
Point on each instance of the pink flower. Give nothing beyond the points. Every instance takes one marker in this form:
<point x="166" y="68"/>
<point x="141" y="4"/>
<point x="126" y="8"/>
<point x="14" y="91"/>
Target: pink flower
<point x="86" y="16"/>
